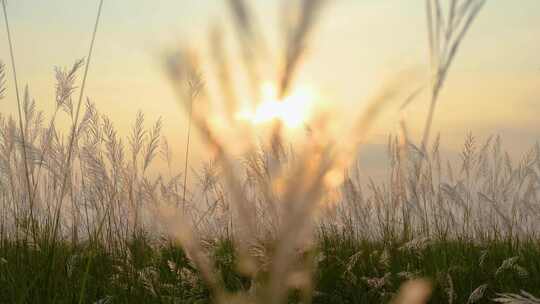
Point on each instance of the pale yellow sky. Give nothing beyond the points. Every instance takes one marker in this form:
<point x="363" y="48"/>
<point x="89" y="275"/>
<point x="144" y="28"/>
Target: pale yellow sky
<point x="494" y="86"/>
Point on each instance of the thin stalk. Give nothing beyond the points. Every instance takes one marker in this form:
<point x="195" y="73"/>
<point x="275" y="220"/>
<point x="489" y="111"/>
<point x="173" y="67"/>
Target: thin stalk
<point x="187" y="157"/>
<point x="91" y="255"/>
<point x="76" y="120"/>
<point x="72" y="141"/>
<point x="430" y="116"/>
<point x="23" y="137"/>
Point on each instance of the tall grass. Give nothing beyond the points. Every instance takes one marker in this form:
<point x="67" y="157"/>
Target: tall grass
<point x="83" y="220"/>
<point x="19" y="105"/>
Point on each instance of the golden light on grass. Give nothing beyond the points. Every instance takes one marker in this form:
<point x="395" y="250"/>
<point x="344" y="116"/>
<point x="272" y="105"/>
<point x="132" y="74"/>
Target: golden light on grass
<point x="294" y="110"/>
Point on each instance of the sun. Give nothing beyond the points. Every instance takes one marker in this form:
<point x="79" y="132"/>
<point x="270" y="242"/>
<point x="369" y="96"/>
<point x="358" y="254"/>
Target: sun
<point x="294" y="110"/>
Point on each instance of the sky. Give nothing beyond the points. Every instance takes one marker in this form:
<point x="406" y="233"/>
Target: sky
<point x="493" y="88"/>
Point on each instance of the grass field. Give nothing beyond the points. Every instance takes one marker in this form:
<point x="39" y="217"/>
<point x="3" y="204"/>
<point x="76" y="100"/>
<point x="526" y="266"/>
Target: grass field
<point x="344" y="271"/>
<point x="84" y="217"/>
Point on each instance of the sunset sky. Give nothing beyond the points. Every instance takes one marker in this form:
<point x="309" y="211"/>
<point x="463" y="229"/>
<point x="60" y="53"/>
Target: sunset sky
<point x="494" y="87"/>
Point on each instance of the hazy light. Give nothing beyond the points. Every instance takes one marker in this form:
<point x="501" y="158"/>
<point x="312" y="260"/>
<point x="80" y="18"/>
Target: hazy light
<point x="293" y="110"/>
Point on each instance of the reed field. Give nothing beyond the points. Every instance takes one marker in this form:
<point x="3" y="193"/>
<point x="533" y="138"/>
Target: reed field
<point x="90" y="214"/>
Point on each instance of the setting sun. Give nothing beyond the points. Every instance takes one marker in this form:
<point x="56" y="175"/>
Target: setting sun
<point x="293" y="110"/>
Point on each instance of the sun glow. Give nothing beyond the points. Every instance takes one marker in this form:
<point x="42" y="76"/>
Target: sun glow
<point x="294" y="110"/>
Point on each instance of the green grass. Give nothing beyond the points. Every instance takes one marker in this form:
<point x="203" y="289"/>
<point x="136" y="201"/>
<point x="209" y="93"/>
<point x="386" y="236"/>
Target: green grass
<point x="347" y="271"/>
